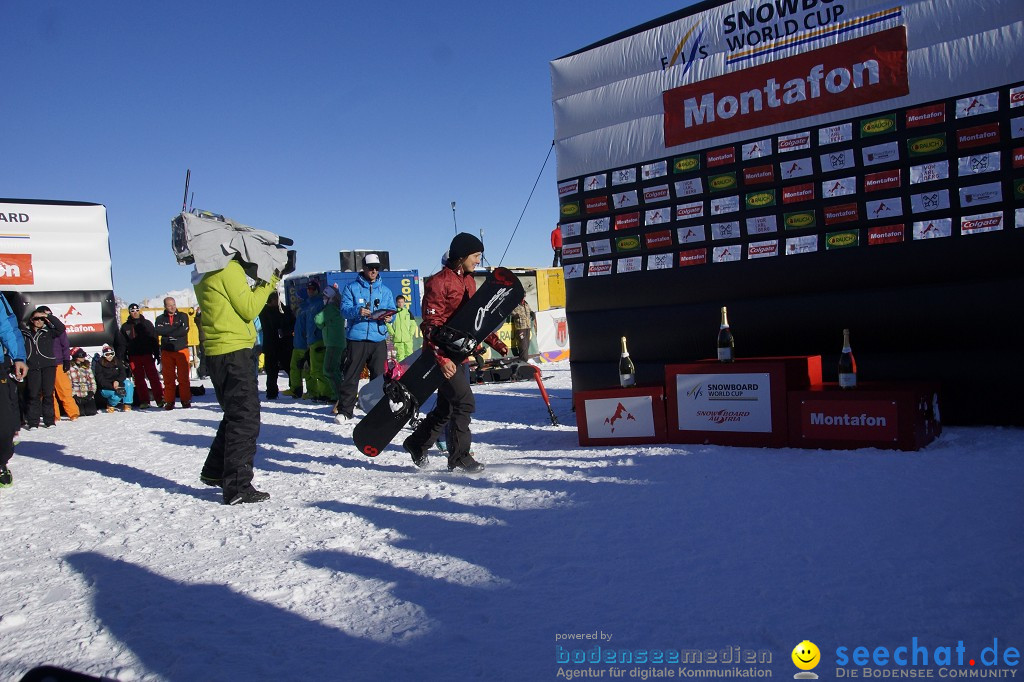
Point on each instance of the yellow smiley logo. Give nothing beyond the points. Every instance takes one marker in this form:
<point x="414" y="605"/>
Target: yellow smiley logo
<point x="806" y="655"/>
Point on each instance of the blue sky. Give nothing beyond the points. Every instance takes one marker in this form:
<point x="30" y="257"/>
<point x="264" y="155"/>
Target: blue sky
<point x="341" y="125"/>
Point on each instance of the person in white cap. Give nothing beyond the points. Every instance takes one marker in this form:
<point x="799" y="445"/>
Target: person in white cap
<point x="367" y="306"/>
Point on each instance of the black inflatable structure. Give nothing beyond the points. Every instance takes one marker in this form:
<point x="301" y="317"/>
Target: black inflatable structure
<point x="905" y="223"/>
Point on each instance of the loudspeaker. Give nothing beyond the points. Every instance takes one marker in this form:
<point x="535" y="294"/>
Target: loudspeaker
<point x="352" y="261"/>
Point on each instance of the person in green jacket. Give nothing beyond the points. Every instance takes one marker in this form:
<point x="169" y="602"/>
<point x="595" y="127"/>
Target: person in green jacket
<point x="230" y="304"/>
<point x="333" y="325"/>
<point x="403" y="329"/>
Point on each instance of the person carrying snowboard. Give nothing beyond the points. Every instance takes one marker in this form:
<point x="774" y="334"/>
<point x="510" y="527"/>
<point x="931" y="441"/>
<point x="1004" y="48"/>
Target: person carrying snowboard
<point x="443" y="294"/>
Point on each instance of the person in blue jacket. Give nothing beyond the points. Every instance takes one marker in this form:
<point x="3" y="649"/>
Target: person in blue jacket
<point x="367" y="306"/>
<point x="13" y="368"/>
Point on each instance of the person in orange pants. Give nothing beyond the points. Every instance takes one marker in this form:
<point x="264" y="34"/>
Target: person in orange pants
<point x="172" y="327"/>
<point x="62" y="383"/>
<point x="62" y="395"/>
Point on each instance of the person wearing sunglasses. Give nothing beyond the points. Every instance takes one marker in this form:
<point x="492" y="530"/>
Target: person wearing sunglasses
<point x="40" y="334"/>
<point x="62" y="383"/>
<point x="367" y="306"/>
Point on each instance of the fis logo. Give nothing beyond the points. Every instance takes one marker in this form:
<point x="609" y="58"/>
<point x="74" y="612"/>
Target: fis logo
<point x="687" y="51"/>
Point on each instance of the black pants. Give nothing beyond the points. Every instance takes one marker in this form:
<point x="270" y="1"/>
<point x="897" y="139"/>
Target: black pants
<point x="273" y="362"/>
<point x="87" y="405"/>
<point x="455" y="403"/>
<point x="39" y="384"/>
<point x="357" y="355"/>
<point x="558" y="257"/>
<point x="234" y="446"/>
<point x="10" y="417"/>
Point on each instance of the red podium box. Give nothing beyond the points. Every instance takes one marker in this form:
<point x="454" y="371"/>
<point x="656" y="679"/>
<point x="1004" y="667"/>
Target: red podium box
<point x="621" y="416"/>
<point x="737" y="403"/>
<point x="890" y="415"/>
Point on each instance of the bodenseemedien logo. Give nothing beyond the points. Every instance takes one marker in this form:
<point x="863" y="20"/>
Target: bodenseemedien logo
<point x="806" y="657"/>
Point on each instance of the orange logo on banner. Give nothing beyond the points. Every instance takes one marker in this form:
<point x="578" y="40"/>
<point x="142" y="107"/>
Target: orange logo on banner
<point x="16" y="268"/>
<point x="849" y="74"/>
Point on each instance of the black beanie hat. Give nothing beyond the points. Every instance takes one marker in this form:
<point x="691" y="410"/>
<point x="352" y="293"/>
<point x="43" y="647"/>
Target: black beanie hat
<point x="464" y="244"/>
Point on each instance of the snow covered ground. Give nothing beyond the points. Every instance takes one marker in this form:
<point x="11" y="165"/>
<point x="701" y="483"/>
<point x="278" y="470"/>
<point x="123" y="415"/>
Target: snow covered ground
<point x="118" y="562"/>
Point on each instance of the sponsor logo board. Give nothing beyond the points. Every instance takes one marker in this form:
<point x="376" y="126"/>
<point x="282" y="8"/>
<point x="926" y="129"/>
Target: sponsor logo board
<point x="874" y="182"/>
<point x="764" y="224"/>
<point x="691" y="234"/>
<point x="798" y="245"/>
<point x="693" y="257"/>
<point x="727" y="254"/>
<point x="983" y="222"/>
<point x="932" y="229"/>
<point x="763" y="249"/>
<point x="738" y="403"/>
<point x="886" y="234"/>
<point x="620" y="417"/>
<point x="857" y="420"/>
<point x="924" y="202"/>
<point x="842" y="240"/>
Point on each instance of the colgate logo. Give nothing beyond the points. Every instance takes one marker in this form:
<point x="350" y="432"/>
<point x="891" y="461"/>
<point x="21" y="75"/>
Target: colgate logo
<point x="982" y="224"/>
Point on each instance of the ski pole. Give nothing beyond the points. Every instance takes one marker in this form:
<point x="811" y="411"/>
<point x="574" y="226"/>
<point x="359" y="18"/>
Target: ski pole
<point x="544" y="394"/>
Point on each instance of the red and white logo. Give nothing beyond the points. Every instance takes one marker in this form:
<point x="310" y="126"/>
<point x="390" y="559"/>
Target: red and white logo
<point x="693" y="257"/>
<point x="798" y="193"/>
<point x="721" y="157"/>
<point x="759" y="174"/>
<point x="849" y="74"/>
<point x="16" y="268"/>
<point x="597" y="204"/>
<point x="627" y="221"/>
<point x="924" y="116"/>
<point x="889" y="179"/>
<point x="886" y="234"/>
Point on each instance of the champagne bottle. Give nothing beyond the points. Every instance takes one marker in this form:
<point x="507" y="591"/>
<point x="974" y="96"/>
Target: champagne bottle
<point x="627" y="373"/>
<point x="847" y="365"/>
<point x="726" y="345"/>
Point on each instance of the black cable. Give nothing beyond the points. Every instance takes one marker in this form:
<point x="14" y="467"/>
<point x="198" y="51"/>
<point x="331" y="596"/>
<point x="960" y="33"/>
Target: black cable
<point x="543" y="166"/>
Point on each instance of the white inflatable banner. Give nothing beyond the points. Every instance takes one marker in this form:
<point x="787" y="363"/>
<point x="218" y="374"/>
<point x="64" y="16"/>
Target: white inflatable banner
<point x="744" y="69"/>
<point x="54" y="247"/>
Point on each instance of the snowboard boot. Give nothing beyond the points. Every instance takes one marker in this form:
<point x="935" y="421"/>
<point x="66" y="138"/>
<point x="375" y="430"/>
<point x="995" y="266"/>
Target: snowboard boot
<point x="6" y="477"/>
<point x="465" y="463"/>
<point x="210" y="480"/>
<point x="419" y="458"/>
<point x="249" y="496"/>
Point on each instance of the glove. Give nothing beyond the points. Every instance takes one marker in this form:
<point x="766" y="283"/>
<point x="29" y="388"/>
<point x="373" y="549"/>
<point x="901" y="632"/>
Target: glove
<point x="66" y="366"/>
<point x="120" y="391"/>
<point x="289" y="267"/>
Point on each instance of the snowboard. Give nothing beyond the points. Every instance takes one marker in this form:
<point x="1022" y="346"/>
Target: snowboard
<point x="372" y="391"/>
<point x="471" y="323"/>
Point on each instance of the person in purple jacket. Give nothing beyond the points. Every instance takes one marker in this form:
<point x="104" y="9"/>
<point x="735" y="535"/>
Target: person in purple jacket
<point x="62" y="395"/>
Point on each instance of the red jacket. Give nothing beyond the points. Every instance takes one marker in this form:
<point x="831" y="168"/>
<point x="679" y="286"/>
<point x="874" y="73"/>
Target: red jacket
<point x="443" y="293"/>
<point x="556" y="237"/>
